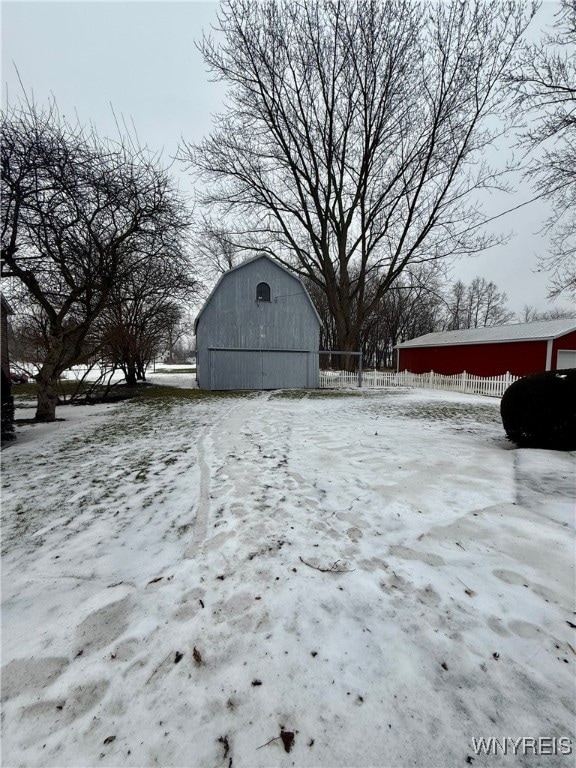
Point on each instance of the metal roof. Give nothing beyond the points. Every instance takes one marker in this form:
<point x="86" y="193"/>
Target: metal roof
<point x="537" y="331"/>
<point x="243" y="264"/>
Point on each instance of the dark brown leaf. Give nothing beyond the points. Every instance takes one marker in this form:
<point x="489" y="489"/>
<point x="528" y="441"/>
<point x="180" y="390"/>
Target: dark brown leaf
<point x="224" y="741"/>
<point x="109" y="739"/>
<point x="287" y="739"/>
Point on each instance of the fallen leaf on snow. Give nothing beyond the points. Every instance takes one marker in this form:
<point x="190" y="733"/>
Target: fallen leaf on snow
<point x="287" y="739"/>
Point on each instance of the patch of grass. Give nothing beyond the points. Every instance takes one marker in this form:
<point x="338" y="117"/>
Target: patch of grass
<point x="173" y="370"/>
<point x="300" y="394"/>
<point x="176" y="393"/>
<point x="457" y="413"/>
<point x="69" y="387"/>
<point x="289" y="394"/>
<point x="142" y="473"/>
<point x="163" y="396"/>
<point x="65" y="390"/>
<point x="24" y="392"/>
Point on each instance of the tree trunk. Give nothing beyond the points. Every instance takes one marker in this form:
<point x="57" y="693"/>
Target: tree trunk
<point x="141" y="370"/>
<point x="47" y="396"/>
<point x="347" y="333"/>
<point x="47" y="379"/>
<point x="350" y="343"/>
<point x="130" y="374"/>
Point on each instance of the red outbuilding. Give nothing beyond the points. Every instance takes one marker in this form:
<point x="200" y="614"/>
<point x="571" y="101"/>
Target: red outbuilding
<point x="519" y="349"/>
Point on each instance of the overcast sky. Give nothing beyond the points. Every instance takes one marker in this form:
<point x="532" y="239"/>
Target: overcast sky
<point x="139" y="58"/>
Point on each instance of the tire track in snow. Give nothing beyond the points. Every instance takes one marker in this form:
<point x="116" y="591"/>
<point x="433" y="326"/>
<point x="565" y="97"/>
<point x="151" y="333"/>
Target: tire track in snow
<point x="201" y="521"/>
<point x="200" y="530"/>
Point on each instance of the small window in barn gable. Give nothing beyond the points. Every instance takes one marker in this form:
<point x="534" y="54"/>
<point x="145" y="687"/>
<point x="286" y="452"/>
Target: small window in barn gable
<point x="262" y="292"/>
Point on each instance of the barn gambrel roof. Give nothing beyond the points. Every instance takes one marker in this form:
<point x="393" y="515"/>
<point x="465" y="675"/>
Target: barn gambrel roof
<point x="243" y="264"/>
<point x="541" y="330"/>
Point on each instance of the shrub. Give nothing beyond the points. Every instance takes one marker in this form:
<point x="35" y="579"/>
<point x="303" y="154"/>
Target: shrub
<point x="539" y="411"/>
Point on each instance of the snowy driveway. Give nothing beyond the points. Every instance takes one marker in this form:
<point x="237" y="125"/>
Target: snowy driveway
<point x="381" y="577"/>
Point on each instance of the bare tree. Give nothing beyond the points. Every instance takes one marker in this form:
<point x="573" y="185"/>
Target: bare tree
<point x="411" y="307"/>
<point x="352" y="147"/>
<point x="530" y="314"/>
<point x="544" y="80"/>
<point x="215" y="252"/>
<point x="456" y="307"/>
<point x="137" y="334"/>
<point x="178" y="339"/>
<point x="28" y="336"/>
<point x="145" y="310"/>
<point x="79" y="214"/>
<point x="477" y="305"/>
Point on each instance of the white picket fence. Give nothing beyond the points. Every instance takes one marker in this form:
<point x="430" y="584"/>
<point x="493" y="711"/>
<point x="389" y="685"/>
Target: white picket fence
<point x="494" y="386"/>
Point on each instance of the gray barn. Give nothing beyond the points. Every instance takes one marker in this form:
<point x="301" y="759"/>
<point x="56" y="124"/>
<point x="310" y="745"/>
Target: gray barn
<point x="258" y="330"/>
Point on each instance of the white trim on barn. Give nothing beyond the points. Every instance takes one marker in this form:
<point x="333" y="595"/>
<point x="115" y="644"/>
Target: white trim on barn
<point x="549" y="345"/>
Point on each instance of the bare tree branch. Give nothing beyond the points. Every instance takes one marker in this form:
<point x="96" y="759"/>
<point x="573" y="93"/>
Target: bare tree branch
<point x="353" y="145"/>
<point x="544" y="82"/>
<point x="79" y="216"/>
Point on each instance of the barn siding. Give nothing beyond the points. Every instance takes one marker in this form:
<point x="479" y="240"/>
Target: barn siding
<point x="519" y="358"/>
<point x="279" y="339"/>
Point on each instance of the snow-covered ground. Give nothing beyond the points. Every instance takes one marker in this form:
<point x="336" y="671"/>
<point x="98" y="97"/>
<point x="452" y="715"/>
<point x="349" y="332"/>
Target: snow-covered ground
<point x="192" y="581"/>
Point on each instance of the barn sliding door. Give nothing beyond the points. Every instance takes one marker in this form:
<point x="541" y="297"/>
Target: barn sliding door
<point x="284" y="370"/>
<point x="255" y="369"/>
<point x="235" y="369"/>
